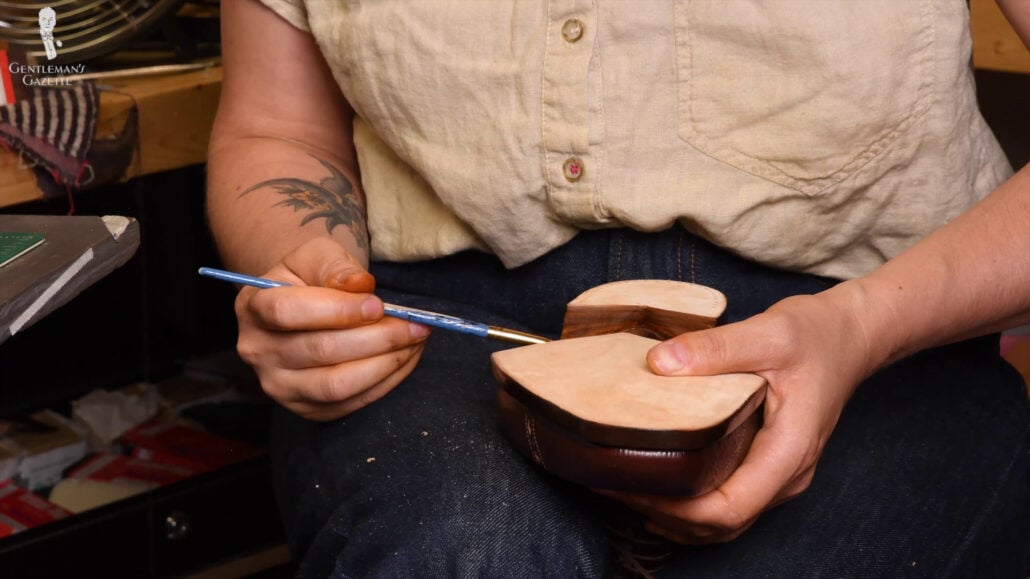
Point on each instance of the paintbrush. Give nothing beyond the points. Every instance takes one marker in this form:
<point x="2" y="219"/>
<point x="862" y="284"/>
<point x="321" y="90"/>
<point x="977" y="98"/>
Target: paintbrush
<point x="436" y="320"/>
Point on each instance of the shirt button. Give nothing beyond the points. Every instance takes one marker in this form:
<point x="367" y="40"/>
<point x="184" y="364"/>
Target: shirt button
<point x="572" y="169"/>
<point x="572" y="30"/>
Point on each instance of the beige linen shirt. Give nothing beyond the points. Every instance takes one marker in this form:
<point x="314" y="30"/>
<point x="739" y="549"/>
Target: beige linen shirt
<point x="814" y="135"/>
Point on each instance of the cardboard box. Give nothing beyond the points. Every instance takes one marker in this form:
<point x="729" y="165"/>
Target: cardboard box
<point x="129" y="471"/>
<point x="183" y="392"/>
<point x="21" y="509"/>
<point x="49" y="444"/>
<point x="179" y="444"/>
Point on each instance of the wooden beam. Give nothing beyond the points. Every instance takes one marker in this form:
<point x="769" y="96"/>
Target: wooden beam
<point x="995" y="45"/>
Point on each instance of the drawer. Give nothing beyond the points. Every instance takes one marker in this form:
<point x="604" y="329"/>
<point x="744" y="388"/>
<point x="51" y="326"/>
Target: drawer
<point x="177" y="529"/>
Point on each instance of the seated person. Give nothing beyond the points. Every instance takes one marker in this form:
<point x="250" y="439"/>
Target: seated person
<point x="822" y="164"/>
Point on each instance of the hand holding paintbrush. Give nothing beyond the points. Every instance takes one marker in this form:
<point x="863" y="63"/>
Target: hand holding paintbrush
<point x="322" y="356"/>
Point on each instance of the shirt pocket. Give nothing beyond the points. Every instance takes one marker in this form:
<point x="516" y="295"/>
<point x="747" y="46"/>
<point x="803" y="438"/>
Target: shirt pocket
<point x="803" y="93"/>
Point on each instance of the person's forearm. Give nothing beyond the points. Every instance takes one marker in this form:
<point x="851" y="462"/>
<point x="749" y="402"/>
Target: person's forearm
<point x="967" y="279"/>
<point x="970" y="278"/>
<point x="267" y="196"/>
<point x="1018" y="14"/>
<point x="281" y="163"/>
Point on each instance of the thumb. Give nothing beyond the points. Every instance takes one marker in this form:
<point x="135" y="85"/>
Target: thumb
<point x="324" y="262"/>
<point x="722" y="350"/>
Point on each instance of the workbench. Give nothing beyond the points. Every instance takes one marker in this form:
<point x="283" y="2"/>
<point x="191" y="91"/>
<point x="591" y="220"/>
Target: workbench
<point x="175" y="116"/>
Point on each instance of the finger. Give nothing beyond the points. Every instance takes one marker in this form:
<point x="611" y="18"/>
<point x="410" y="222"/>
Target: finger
<point x="732" y="507"/>
<point x="663" y="521"/>
<point x="693" y="536"/>
<point x="324" y="262"/>
<point x="752" y="345"/>
<point x="323" y="411"/>
<point x="770" y="466"/>
<point x="681" y="537"/>
<point x="310" y="308"/>
<point x="688" y="533"/>
<point x="299" y="350"/>
<point x="335" y="384"/>
<point x="799" y="485"/>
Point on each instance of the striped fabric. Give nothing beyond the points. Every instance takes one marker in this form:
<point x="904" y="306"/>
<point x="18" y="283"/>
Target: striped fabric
<point x="54" y="127"/>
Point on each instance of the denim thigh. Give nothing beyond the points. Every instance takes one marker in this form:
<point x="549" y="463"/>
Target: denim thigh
<point x="925" y="474"/>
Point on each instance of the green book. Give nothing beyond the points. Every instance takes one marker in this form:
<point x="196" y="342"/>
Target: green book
<point x="13" y="245"/>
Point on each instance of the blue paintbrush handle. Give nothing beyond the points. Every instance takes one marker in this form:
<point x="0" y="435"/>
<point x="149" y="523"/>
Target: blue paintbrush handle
<point x="428" y="318"/>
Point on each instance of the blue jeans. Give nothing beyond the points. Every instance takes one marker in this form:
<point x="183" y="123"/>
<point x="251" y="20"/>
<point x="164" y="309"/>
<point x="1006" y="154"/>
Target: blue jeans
<point x="926" y="474"/>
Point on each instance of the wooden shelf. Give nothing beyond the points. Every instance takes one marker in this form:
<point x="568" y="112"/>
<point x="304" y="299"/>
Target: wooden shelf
<point x="175" y="116"/>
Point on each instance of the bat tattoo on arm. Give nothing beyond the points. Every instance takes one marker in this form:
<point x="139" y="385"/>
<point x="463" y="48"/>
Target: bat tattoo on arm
<point x="332" y="198"/>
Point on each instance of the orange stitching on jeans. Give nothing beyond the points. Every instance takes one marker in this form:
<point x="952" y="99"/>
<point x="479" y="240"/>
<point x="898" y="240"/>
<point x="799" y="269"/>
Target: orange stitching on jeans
<point x="679" y="256"/>
<point x="618" y="258"/>
<point x="693" y="250"/>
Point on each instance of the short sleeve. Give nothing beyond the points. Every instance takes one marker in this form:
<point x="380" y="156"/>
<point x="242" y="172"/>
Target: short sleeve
<point x="292" y="11"/>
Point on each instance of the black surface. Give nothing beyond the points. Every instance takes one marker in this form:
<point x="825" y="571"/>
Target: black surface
<point x="1005" y="102"/>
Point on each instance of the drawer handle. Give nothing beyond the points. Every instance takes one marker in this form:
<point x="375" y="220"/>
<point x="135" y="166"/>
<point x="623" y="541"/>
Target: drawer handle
<point x="178" y="526"/>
